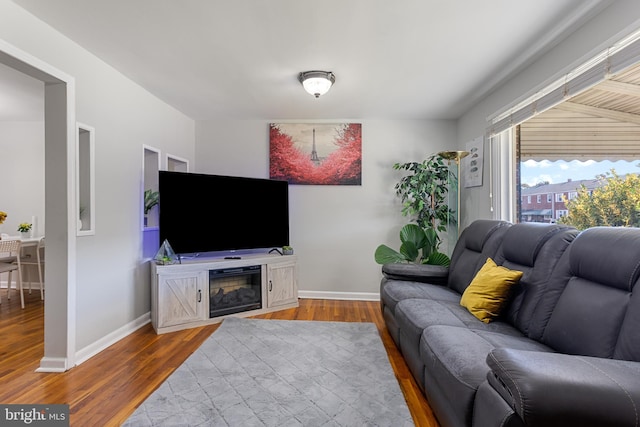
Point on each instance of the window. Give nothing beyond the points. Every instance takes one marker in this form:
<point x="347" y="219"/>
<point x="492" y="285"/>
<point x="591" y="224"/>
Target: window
<point x="528" y="199"/>
<point x="538" y="198"/>
<point x="149" y="216"/>
<point x="177" y="164"/>
<point x="597" y="138"/>
<point x="150" y="168"/>
<point x="549" y="197"/>
<point x="85" y="186"/>
<point x="572" y="195"/>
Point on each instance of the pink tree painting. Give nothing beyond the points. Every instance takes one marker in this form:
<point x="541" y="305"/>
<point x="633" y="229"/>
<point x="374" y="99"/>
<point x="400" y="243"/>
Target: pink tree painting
<point x="316" y="154"/>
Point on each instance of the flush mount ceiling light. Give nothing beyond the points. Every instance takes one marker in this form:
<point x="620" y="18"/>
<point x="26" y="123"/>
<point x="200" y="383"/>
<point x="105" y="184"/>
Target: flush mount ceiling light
<point x="317" y="82"/>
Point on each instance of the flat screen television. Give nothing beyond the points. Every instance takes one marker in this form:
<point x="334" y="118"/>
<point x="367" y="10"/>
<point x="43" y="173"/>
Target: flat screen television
<point x="214" y="213"/>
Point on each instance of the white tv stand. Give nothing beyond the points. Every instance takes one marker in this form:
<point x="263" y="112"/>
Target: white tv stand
<point x="180" y="292"/>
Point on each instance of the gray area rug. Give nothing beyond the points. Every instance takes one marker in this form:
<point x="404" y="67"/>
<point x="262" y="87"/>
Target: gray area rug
<point x="254" y="372"/>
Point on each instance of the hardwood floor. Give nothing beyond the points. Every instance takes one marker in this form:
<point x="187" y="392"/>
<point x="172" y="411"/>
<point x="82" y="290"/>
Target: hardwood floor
<point x="107" y="388"/>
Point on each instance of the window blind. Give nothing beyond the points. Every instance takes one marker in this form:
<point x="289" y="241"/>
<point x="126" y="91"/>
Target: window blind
<point x="610" y="61"/>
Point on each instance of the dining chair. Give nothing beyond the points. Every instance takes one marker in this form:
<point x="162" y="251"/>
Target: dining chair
<point x="11" y="251"/>
<point x="27" y="259"/>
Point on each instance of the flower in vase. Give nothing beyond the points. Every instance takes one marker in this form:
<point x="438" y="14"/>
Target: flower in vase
<point x="24" y="227"/>
<point x="3" y="216"/>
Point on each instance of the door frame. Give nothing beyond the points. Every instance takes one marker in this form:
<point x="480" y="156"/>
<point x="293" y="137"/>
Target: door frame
<point x="60" y="204"/>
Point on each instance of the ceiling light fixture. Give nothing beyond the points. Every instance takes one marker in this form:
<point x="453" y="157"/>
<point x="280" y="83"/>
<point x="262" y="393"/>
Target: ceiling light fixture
<point x="317" y="82"/>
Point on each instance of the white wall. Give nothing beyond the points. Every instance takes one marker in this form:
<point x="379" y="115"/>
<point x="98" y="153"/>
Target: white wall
<point x="112" y="278"/>
<point x="619" y="19"/>
<point x="22" y="173"/>
<point x="334" y="229"/>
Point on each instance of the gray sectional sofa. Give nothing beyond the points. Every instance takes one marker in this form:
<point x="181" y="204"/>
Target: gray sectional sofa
<point x="565" y="351"/>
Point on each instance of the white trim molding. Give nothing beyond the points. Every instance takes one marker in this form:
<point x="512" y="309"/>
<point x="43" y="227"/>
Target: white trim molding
<point x="60" y="149"/>
<point x="108" y="340"/>
<point x="350" y="296"/>
<point x="53" y="364"/>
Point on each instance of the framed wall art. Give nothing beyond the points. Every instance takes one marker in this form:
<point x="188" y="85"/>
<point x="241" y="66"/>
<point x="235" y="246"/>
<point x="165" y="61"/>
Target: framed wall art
<point x="472" y="165"/>
<point x="316" y="153"/>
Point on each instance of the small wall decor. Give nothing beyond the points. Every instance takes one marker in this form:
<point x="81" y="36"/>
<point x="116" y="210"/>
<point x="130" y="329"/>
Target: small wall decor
<point x="472" y="164"/>
<point x="316" y="154"/>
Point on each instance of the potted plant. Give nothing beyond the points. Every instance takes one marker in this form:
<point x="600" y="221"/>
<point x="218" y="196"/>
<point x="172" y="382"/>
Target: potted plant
<point x="24" y="228"/>
<point x="287" y="250"/>
<point x="424" y="196"/>
<point x="151" y="199"/>
<point x="419" y="246"/>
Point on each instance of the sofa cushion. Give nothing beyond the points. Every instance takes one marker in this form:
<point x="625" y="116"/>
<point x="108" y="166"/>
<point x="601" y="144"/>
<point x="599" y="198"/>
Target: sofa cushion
<point x="535" y="249"/>
<point x="604" y="266"/>
<point x="608" y="255"/>
<point x="479" y="241"/>
<point x="548" y="295"/>
<point x="456" y="361"/>
<point x="628" y="345"/>
<point x="395" y="291"/>
<point x="488" y="292"/>
<point x="412" y="316"/>
<point x="523" y="242"/>
<point x="587" y="319"/>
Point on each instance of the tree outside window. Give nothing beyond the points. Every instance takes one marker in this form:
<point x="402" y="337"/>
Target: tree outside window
<point x="615" y="203"/>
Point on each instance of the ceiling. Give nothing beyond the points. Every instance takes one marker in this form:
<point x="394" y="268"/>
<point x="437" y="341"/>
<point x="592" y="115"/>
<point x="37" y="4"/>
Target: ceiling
<point x="401" y="59"/>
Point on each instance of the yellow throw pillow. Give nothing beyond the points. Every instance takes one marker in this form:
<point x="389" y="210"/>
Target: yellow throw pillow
<point x="488" y="291"/>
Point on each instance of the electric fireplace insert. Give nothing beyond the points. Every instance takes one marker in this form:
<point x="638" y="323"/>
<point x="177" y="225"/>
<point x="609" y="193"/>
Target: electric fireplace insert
<point x="234" y="290"/>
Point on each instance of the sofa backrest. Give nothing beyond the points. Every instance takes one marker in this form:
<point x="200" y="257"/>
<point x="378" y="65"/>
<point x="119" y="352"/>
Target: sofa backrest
<point x="534" y="249"/>
<point x="481" y="239"/>
<point x="597" y="313"/>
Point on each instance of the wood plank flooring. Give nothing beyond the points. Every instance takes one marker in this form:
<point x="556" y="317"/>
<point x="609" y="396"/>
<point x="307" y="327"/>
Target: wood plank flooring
<point x="107" y="388"/>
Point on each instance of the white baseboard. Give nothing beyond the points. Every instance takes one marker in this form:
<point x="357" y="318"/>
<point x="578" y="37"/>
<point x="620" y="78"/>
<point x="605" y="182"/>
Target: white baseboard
<point x="25" y="284"/>
<point x="52" y="364"/>
<point x="91" y="350"/>
<point x="357" y="296"/>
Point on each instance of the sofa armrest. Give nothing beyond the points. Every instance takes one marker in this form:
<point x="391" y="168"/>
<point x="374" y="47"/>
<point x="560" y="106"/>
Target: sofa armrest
<point x="425" y="273"/>
<point x="553" y="389"/>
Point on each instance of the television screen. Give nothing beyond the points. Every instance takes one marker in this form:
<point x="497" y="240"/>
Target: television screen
<point x="211" y="213"/>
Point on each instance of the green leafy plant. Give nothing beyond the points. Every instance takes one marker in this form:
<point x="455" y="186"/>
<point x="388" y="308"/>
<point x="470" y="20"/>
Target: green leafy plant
<point x="424" y="196"/>
<point x="417" y="246"/>
<point x="615" y="203"/>
<point x="25" y="227"/>
<point x="151" y="198"/>
<point x="424" y="192"/>
<point x="164" y="260"/>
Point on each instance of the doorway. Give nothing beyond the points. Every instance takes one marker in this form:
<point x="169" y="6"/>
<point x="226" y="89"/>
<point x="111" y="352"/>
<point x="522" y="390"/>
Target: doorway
<point x="59" y="131"/>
